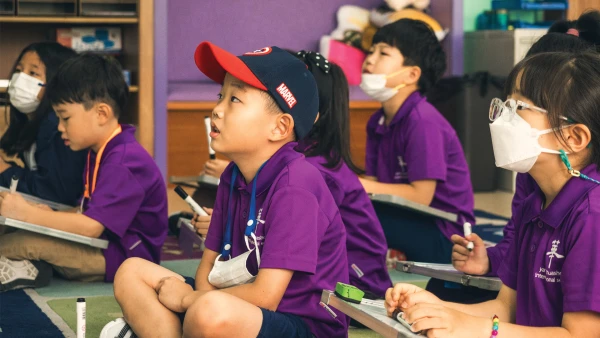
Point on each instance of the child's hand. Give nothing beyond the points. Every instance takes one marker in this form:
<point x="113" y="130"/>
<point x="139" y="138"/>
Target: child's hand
<point x="443" y="322"/>
<point x="475" y="262"/>
<point x="402" y="296"/>
<point x="215" y="167"/>
<point x="15" y="206"/>
<point x="171" y="291"/>
<point x="201" y="223"/>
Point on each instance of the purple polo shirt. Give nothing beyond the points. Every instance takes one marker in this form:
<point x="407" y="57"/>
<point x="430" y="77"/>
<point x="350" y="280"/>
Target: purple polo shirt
<point x="299" y="228"/>
<point x="365" y="241"/>
<point x="524" y="187"/>
<point x="554" y="261"/>
<point x="130" y="201"/>
<point x="419" y="144"/>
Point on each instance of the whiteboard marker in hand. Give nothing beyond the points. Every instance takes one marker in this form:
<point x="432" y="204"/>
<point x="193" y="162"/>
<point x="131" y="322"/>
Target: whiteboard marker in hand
<point x="195" y="207"/>
<point x="211" y="152"/>
<point x="467" y="231"/>
<point x="13" y="184"/>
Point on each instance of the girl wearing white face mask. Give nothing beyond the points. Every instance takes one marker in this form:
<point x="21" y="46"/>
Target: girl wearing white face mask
<point x="51" y="170"/>
<point x="412" y="150"/>
<point x="550" y="128"/>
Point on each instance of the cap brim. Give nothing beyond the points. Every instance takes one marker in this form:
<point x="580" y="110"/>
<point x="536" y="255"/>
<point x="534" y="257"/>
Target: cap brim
<point x="215" y="62"/>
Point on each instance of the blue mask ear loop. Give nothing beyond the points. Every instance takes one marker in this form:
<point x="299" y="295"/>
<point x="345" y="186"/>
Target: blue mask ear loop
<point x="226" y="251"/>
<point x="573" y="172"/>
<point x="251" y="225"/>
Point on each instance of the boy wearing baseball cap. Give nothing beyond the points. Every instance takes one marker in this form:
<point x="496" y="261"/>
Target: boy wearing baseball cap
<point x="276" y="239"/>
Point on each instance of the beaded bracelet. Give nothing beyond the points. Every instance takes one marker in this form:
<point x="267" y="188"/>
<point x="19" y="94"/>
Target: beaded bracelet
<point x="495" y="322"/>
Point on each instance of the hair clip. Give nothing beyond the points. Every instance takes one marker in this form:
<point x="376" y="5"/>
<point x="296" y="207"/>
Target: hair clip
<point x="315" y="59"/>
<point x="573" y="31"/>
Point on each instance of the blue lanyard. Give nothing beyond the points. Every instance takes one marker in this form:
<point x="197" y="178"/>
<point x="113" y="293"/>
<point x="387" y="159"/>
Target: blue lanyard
<point x="251" y="224"/>
<point x="573" y="172"/>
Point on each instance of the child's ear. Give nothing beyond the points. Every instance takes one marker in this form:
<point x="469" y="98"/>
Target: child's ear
<point x="283" y="128"/>
<point x="578" y="137"/>
<point x="414" y="74"/>
<point x="104" y="113"/>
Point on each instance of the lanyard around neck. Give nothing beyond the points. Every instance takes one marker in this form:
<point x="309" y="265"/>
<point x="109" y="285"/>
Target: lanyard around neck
<point x="251" y="224"/>
<point x="87" y="193"/>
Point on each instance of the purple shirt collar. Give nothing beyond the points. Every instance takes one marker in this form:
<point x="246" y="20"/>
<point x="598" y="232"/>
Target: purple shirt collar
<point x="567" y="199"/>
<point x="409" y="104"/>
<point x="275" y="164"/>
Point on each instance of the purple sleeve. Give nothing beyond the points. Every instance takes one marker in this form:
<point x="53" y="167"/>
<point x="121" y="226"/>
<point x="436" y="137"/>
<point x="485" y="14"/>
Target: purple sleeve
<point x="116" y="200"/>
<point x="425" y="152"/>
<point x="525" y="185"/>
<point x="371" y="149"/>
<point x="580" y="277"/>
<point x="214" y="237"/>
<point x="293" y="238"/>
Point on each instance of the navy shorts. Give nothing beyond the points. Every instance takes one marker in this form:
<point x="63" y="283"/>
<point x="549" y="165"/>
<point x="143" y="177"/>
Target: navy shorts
<point x="274" y="324"/>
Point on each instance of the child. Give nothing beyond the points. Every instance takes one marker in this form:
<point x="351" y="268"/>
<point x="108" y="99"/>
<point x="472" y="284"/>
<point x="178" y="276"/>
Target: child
<point x="580" y="35"/>
<point x="412" y="151"/>
<point x="550" y="128"/>
<point x="124" y="199"/>
<point x="327" y="147"/>
<point x="274" y="218"/>
<point x="52" y="171"/>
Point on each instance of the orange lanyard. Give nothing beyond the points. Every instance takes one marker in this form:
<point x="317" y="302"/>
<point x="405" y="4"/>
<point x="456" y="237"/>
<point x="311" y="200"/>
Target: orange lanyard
<point x="87" y="193"/>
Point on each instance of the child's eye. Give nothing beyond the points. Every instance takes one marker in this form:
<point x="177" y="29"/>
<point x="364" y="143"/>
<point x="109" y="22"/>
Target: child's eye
<point x="219" y="96"/>
<point x="235" y="99"/>
<point x="382" y="53"/>
<point x="34" y="74"/>
<point x="370" y="52"/>
<point x="66" y="119"/>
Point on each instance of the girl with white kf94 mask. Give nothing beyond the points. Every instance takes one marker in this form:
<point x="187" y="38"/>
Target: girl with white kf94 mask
<point x="550" y="128"/>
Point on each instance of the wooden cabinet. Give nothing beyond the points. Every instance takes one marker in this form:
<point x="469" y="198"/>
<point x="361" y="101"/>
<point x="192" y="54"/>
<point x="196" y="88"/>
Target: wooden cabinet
<point x="576" y="7"/>
<point x="187" y="144"/>
<point x="137" y="54"/>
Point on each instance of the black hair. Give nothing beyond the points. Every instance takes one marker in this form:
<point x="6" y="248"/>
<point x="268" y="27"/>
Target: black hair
<point x="22" y="131"/>
<point x="420" y="47"/>
<point x="330" y="135"/>
<point x="89" y="79"/>
<point x="557" y="39"/>
<point x="565" y="84"/>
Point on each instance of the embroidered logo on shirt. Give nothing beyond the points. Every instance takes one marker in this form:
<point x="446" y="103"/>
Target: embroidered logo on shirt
<point x="402" y="174"/>
<point x="553" y="253"/>
<point x="259" y="239"/>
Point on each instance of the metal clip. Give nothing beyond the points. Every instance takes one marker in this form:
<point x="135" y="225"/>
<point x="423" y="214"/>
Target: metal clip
<point x="465" y="280"/>
<point x="574" y="173"/>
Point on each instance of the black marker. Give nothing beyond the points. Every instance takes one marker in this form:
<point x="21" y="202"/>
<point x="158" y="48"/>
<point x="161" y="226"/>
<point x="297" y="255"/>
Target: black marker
<point x="195" y="207"/>
<point x="211" y="152"/>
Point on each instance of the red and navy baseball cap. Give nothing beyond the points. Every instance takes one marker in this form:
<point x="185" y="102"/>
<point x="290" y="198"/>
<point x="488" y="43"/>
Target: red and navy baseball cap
<point x="271" y="69"/>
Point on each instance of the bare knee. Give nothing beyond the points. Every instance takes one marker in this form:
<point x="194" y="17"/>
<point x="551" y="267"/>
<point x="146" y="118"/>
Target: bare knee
<point x="208" y="316"/>
<point x="126" y="276"/>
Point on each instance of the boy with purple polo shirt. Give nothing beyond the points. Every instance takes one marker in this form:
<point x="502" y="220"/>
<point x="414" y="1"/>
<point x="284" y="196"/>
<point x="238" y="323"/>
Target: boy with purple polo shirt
<point x="124" y="199"/>
<point x="412" y="151"/>
<point x="276" y="239"/>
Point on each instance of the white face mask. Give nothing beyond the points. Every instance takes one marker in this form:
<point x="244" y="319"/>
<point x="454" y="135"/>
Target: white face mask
<point x="232" y="272"/>
<point x="23" y="91"/>
<point x="516" y="145"/>
<point x="374" y="85"/>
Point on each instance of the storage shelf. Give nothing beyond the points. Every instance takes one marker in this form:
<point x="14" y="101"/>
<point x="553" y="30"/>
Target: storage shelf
<point x="69" y="19"/>
<point x="132" y="89"/>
